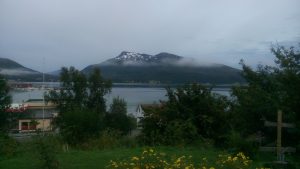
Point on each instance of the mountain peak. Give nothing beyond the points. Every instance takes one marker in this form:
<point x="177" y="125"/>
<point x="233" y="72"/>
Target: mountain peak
<point x="163" y="68"/>
<point x="125" y="55"/>
<point x="138" y="59"/>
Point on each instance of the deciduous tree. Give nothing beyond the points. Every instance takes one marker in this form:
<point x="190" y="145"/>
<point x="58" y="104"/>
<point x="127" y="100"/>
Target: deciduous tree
<point x="269" y="89"/>
<point x="81" y="104"/>
<point x="117" y="117"/>
<point x="5" y="101"/>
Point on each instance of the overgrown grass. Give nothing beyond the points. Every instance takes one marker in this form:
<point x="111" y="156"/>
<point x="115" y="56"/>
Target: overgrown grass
<point x="26" y="158"/>
<point x="96" y="159"/>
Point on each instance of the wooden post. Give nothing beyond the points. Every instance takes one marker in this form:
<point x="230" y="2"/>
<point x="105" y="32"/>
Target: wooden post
<point x="279" y="149"/>
<point x="279" y="126"/>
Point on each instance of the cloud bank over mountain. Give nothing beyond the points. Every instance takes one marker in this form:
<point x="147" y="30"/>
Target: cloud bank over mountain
<point x="82" y="32"/>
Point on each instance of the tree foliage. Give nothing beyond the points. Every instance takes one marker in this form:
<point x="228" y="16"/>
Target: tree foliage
<point x="117" y="117"/>
<point x="191" y="111"/>
<point x="270" y="88"/>
<point x="5" y="101"/>
<point x="118" y="106"/>
<point x="46" y="150"/>
<point x="81" y="104"/>
<point x="98" y="87"/>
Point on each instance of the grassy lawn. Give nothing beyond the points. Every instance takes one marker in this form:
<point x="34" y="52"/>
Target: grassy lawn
<point x="79" y="159"/>
<point x="98" y="159"/>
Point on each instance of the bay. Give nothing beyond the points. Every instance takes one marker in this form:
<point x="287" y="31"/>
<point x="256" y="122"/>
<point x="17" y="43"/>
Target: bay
<point x="134" y="96"/>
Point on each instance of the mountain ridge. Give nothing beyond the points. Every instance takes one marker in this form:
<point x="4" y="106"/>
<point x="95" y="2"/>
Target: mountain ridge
<point x="132" y="58"/>
<point x="163" y="68"/>
<point x="142" y="68"/>
<point x="12" y="70"/>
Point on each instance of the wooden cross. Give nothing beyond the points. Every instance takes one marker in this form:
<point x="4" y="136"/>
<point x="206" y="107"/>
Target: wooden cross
<point x="279" y="149"/>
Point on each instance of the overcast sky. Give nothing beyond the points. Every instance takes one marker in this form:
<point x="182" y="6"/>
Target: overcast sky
<point x="83" y="32"/>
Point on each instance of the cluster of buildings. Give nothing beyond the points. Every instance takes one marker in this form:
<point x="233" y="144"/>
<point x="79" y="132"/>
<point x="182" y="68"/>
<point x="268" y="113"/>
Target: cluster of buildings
<point x="32" y="115"/>
<point x="36" y="115"/>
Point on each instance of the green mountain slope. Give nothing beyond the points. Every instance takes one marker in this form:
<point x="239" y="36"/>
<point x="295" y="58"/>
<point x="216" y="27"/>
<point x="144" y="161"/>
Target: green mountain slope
<point x="15" y="71"/>
<point x="163" y="68"/>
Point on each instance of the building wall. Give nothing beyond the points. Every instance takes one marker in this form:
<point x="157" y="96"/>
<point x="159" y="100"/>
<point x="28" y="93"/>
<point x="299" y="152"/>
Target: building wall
<point x="43" y="125"/>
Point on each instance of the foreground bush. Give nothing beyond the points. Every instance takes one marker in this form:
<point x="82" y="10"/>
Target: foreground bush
<point x="191" y="111"/>
<point x="7" y="146"/>
<point x="108" y="139"/>
<point x="157" y="160"/>
<point x="46" y="150"/>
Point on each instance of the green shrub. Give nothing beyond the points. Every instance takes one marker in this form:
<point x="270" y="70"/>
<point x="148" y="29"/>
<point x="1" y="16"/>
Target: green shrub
<point x="46" y="147"/>
<point x="128" y="142"/>
<point x="180" y="132"/>
<point x="8" y="146"/>
<point x="190" y="111"/>
<point x="108" y="138"/>
<point x="237" y="143"/>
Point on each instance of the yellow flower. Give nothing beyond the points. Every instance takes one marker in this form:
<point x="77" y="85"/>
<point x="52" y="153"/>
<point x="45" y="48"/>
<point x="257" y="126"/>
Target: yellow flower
<point x="135" y="158"/>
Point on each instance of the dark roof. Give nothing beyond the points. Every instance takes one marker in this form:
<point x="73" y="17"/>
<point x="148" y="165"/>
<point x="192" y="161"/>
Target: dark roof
<point x="34" y="100"/>
<point x="37" y="114"/>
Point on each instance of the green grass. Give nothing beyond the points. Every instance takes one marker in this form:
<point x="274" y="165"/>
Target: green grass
<point x="80" y="159"/>
<point x="98" y="159"/>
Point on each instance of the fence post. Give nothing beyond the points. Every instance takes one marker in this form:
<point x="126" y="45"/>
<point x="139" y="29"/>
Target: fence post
<point x="279" y="126"/>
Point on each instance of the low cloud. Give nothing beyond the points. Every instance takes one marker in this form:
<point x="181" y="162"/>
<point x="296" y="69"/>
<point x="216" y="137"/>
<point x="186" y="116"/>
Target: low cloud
<point x="80" y="33"/>
<point x="14" y="72"/>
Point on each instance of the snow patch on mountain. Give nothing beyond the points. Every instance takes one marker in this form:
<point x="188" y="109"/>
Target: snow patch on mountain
<point x="132" y="58"/>
<point x="137" y="59"/>
<point x="162" y="59"/>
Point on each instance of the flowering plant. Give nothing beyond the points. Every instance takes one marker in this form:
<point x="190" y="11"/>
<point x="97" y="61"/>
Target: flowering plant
<point x="151" y="159"/>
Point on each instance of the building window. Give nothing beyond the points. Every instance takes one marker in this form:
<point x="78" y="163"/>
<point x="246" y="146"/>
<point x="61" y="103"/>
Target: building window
<point x="28" y="126"/>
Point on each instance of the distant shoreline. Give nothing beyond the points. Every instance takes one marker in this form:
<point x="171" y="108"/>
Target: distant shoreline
<point x="133" y="85"/>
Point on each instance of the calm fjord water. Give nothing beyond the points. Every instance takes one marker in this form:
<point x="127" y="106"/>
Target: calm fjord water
<point x="132" y="95"/>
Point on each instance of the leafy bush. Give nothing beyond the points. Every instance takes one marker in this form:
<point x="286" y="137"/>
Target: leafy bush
<point x="8" y="146"/>
<point x="117" y="117"/>
<point x="237" y="143"/>
<point x="109" y="138"/>
<point x="190" y="111"/>
<point x="79" y="125"/>
<point x="180" y="132"/>
<point x="46" y="149"/>
<point x="129" y="142"/>
<point x="269" y="89"/>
